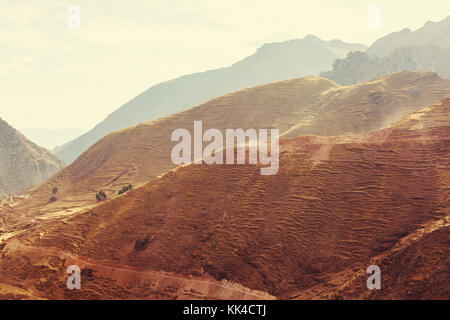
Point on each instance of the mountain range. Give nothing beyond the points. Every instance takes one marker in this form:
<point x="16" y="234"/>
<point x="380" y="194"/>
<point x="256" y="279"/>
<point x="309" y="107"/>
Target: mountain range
<point x="51" y="138"/>
<point x="309" y="105"/>
<point x="425" y="49"/>
<point x="272" y="62"/>
<point x="337" y="205"/>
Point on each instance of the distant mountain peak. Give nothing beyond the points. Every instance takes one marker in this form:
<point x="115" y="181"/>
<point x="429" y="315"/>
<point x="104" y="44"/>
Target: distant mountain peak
<point x="312" y="37"/>
<point x="432" y="33"/>
<point x="275" y="44"/>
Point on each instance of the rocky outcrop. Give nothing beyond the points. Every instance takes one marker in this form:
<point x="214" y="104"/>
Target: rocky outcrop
<point x="426" y="49"/>
<point x="360" y="67"/>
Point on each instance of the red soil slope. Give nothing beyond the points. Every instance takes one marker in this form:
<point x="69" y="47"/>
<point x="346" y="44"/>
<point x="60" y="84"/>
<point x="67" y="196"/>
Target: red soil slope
<point x="336" y="206"/>
<point x="301" y="106"/>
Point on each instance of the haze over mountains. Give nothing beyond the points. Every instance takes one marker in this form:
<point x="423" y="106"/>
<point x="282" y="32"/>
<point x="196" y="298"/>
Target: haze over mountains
<point x="426" y="49"/>
<point x="22" y="163"/>
<point x="272" y="62"/>
<point x="51" y="138"/>
<point x="432" y="33"/>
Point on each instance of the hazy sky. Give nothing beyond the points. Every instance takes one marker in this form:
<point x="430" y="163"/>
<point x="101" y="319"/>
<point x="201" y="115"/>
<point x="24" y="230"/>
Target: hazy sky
<point x="52" y="76"/>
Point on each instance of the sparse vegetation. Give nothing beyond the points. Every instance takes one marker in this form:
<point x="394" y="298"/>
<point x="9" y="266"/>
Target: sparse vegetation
<point x="88" y="274"/>
<point x="125" y="189"/>
<point x="141" y="244"/>
<point x="100" y="196"/>
<point x="53" y="198"/>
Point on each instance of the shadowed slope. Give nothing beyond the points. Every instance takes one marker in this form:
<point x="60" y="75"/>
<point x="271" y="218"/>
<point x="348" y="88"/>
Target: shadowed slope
<point x="23" y="163"/>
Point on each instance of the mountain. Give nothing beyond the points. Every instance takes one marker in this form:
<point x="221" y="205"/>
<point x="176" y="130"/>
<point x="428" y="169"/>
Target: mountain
<point x="51" y="138"/>
<point x="426" y="49"/>
<point x="272" y="62"/>
<point x="432" y="33"/>
<point x="309" y="105"/>
<point x="22" y="163"/>
<point x="336" y="206"/>
<point x="360" y="67"/>
<point x="416" y="267"/>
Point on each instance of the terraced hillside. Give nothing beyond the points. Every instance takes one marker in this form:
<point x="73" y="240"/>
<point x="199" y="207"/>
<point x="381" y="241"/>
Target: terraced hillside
<point x="301" y="106"/>
<point x="337" y="205"/>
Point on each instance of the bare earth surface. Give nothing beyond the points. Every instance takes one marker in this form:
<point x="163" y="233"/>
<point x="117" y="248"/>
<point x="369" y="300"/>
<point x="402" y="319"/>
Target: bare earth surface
<point x="337" y="205"/>
<point x="311" y="105"/>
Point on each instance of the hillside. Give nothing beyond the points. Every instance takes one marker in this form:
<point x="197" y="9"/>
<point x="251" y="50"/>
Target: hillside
<point x="337" y="205"/>
<point x="22" y="163"/>
<point x="308" y="105"/>
<point x="426" y="49"/>
<point x="272" y="62"/>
